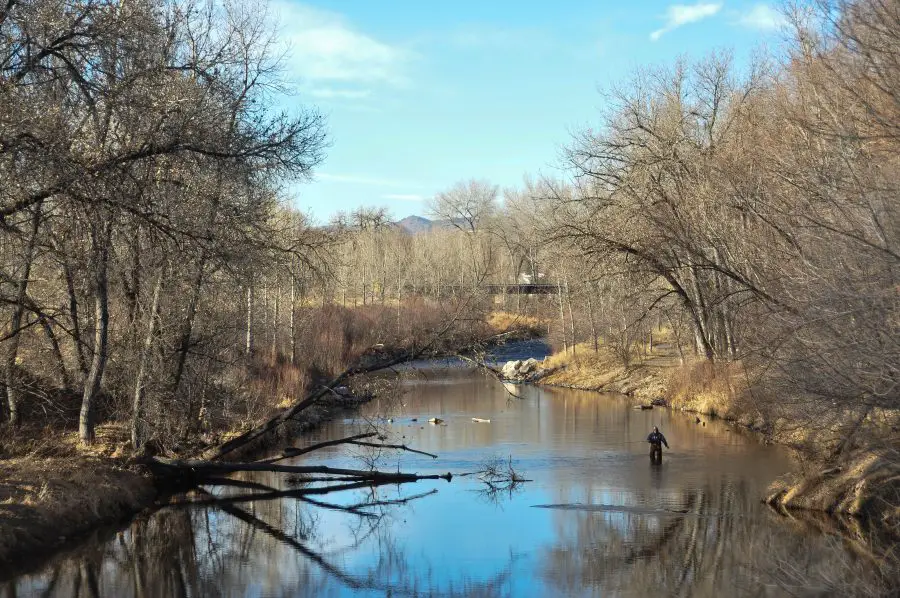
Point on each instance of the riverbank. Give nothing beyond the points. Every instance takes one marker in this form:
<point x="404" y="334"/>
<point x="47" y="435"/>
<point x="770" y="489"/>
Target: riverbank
<point x="864" y="482"/>
<point x="54" y="489"/>
<point x="60" y="490"/>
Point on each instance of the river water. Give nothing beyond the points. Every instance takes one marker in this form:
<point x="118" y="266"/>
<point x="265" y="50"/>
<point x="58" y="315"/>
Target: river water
<point x="596" y="519"/>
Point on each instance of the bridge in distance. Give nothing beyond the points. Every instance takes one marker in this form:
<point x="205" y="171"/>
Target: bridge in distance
<point x="508" y="289"/>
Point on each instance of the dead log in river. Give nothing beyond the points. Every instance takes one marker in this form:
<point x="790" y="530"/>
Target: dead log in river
<point x="195" y="472"/>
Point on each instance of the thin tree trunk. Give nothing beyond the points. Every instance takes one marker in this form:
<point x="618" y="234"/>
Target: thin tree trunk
<point x="76" y="324"/>
<point x="12" y="391"/>
<point x="571" y="317"/>
<point x="101" y="240"/>
<point x="248" y="344"/>
<point x="265" y="330"/>
<point x="293" y="308"/>
<point x="399" y="294"/>
<point x="590" y="303"/>
<point x="562" y="316"/>
<point x="64" y="378"/>
<point x="187" y="327"/>
<point x="383" y="276"/>
<point x="137" y="408"/>
<point x="132" y="282"/>
<point x="700" y="319"/>
<point x="275" y="322"/>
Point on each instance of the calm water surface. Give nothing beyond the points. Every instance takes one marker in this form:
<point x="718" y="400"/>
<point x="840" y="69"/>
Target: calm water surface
<point x="597" y="519"/>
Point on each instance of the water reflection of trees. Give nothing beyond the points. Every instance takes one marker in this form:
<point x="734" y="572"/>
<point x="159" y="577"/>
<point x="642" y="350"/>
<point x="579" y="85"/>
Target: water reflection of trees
<point x="235" y="546"/>
<point x="696" y="545"/>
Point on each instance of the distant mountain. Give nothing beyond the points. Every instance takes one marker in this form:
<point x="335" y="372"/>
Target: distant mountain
<point x="415" y="225"/>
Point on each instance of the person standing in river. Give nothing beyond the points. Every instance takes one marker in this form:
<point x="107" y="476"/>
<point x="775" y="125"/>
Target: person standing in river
<point x="656" y="440"/>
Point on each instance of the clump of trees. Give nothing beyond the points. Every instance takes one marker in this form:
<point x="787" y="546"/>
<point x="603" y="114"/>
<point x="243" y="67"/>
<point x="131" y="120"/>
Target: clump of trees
<point x="150" y="269"/>
<point x="140" y="157"/>
<point x="757" y="209"/>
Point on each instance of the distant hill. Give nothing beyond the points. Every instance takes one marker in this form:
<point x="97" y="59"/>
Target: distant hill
<point x="414" y="225"/>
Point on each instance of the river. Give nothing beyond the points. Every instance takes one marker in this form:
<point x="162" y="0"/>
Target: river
<point x="596" y="518"/>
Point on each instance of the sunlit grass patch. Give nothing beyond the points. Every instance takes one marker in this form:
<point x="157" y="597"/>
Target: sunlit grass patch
<point x="504" y="321"/>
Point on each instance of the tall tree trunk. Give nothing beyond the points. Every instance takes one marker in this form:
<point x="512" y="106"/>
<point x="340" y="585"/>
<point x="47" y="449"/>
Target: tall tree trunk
<point x="700" y="318"/>
<point x="12" y="390"/>
<point x="76" y="322"/>
<point x="399" y="294"/>
<point x="590" y="304"/>
<point x="138" y="406"/>
<point x="293" y="308"/>
<point x="64" y="379"/>
<point x="275" y="322"/>
<point x="187" y="326"/>
<point x="571" y="317"/>
<point x="383" y="275"/>
<point x="132" y="280"/>
<point x="100" y="237"/>
<point x="562" y="316"/>
<point x="248" y="343"/>
<point x="265" y="328"/>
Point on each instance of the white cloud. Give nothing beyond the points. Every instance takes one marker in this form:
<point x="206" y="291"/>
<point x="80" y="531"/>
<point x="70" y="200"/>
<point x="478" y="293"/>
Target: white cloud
<point x="363" y="180"/>
<point x="403" y="197"/>
<point x="678" y="15"/>
<point x="324" y="48"/>
<point x="762" y="16"/>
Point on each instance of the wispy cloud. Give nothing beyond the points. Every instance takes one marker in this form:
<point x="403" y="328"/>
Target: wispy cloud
<point x="324" y="48"/>
<point x="355" y="179"/>
<point x="403" y="197"/>
<point x="679" y="15"/>
<point x="762" y="16"/>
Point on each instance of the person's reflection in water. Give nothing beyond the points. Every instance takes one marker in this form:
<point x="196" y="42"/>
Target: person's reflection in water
<point x="656" y="475"/>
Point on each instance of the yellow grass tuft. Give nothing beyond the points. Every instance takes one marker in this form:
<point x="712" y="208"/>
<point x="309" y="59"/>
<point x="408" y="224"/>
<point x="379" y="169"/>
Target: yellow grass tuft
<point x="504" y="321"/>
<point x="584" y="368"/>
<point x="705" y="387"/>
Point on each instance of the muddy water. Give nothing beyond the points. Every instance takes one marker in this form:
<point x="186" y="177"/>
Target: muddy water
<point x="596" y="519"/>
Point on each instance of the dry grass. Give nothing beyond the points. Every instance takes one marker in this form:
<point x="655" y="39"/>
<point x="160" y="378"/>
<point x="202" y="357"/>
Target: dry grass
<point x="602" y="370"/>
<point x="504" y="321"/>
<point x="584" y="368"/>
<point x="705" y="387"/>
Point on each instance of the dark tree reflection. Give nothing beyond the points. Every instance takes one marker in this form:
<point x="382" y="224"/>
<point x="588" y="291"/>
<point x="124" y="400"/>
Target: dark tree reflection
<point x="698" y="545"/>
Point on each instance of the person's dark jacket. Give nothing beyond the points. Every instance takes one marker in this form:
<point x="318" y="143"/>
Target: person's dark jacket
<point x="657" y="438"/>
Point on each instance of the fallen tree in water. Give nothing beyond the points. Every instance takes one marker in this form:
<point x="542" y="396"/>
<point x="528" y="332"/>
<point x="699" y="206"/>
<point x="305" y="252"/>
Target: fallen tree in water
<point x="199" y="472"/>
<point x="316" y="397"/>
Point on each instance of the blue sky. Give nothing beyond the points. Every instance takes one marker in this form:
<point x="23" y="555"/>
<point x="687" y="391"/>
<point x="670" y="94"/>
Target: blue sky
<point x="420" y="94"/>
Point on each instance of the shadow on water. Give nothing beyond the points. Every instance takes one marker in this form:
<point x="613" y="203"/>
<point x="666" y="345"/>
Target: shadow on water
<point x="612" y="523"/>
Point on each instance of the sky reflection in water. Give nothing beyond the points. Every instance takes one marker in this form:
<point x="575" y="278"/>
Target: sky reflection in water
<point x="616" y="526"/>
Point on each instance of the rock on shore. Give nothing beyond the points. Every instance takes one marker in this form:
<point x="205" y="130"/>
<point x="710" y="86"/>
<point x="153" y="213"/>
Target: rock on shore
<point x="523" y="370"/>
